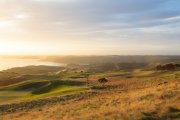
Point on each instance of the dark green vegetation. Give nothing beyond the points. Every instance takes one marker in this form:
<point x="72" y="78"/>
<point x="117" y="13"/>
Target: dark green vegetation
<point x="168" y="67"/>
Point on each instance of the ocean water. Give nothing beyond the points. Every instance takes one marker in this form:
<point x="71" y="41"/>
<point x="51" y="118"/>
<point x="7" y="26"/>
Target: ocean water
<point x="6" y="63"/>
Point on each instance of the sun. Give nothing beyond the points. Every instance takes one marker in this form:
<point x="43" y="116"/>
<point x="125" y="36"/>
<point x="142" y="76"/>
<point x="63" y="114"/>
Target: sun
<point x="11" y="48"/>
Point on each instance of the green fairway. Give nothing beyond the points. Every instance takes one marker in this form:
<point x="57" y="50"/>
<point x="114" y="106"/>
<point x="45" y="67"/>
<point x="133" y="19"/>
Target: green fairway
<point x="34" y="89"/>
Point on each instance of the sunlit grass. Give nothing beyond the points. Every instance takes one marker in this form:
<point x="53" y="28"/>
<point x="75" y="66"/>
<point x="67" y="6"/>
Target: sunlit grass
<point x="36" y="89"/>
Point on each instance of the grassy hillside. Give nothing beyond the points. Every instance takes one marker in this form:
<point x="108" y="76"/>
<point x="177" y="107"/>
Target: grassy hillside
<point x="33" y="89"/>
<point x="34" y="69"/>
<point x="139" y="98"/>
<point x="19" y="74"/>
<point x="139" y="94"/>
<point x="6" y="78"/>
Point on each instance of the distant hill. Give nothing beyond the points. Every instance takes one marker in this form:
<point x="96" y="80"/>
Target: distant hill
<point x="34" y="69"/>
<point x="112" y="58"/>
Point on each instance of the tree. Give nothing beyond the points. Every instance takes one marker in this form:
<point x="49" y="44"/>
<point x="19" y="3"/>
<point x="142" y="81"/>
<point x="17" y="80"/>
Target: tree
<point x="103" y="81"/>
<point x="166" y="67"/>
<point x="169" y="67"/>
<point x="177" y="65"/>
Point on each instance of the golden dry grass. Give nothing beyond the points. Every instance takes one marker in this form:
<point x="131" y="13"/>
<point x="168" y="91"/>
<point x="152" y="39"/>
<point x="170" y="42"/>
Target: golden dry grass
<point x="122" y="99"/>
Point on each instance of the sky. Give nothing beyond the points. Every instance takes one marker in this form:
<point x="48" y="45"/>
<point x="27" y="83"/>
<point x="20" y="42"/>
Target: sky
<point x="90" y="27"/>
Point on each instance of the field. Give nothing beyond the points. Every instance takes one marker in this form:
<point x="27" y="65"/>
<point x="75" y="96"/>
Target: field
<point x="89" y="59"/>
<point x="136" y="94"/>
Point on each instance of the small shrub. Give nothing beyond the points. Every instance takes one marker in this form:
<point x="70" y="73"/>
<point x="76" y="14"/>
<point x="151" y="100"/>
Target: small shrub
<point x="103" y="81"/>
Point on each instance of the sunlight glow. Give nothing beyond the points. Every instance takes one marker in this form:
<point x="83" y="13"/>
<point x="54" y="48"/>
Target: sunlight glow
<point x="21" y="16"/>
<point x="4" y="24"/>
<point x="86" y="27"/>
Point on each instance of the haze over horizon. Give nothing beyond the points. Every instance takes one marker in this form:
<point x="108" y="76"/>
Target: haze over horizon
<point x="89" y="27"/>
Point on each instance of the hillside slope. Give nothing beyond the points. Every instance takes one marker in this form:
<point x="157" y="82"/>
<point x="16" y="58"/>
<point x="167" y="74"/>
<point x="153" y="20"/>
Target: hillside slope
<point x="134" y="98"/>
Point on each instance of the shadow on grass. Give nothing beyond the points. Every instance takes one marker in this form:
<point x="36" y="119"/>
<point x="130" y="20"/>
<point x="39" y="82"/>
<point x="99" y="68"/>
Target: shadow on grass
<point x="108" y="87"/>
<point x="171" y="114"/>
<point x="55" y="84"/>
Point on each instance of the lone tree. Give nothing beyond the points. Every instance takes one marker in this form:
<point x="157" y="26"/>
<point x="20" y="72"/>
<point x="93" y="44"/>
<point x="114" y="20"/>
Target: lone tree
<point x="103" y="81"/>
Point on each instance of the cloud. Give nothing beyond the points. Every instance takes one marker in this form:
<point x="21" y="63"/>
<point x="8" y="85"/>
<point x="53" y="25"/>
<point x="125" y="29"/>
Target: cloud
<point x="114" y="21"/>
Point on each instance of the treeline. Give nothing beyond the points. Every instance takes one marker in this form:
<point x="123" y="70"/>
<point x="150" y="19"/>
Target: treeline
<point x="169" y="66"/>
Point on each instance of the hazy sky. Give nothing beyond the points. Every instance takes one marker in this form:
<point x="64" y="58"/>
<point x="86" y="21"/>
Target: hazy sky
<point x="87" y="27"/>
